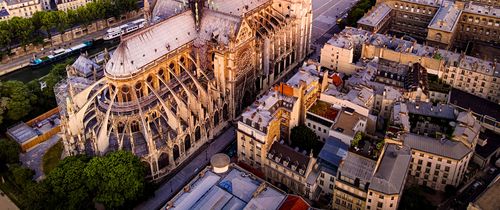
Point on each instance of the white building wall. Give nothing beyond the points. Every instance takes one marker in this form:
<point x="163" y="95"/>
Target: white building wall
<point x="344" y="103"/>
<point x="337" y="58"/>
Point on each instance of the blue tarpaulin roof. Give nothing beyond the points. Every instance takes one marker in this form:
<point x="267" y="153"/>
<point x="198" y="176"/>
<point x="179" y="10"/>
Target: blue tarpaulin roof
<point x="4" y="13"/>
<point x="333" y="151"/>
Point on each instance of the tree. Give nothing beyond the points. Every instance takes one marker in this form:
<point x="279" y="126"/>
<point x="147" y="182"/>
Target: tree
<point x="380" y="145"/>
<point x="23" y="29"/>
<point x="304" y="138"/>
<point x="48" y="21"/>
<point x="4" y="101"/>
<point x="355" y="141"/>
<point x="20" y="99"/>
<point x="414" y="200"/>
<point x="67" y="185"/>
<point x="6" y="35"/>
<point x="62" y="22"/>
<point x="117" y="178"/>
<point x="36" y="196"/>
<point x="9" y="151"/>
<point x="22" y="175"/>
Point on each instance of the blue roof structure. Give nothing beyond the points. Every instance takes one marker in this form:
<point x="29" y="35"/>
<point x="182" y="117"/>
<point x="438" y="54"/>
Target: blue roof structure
<point x="4" y="13"/>
<point x="332" y="153"/>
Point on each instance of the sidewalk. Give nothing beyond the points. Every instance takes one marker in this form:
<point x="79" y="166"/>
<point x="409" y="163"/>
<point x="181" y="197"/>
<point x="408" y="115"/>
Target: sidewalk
<point x="6" y="203"/>
<point x="175" y="184"/>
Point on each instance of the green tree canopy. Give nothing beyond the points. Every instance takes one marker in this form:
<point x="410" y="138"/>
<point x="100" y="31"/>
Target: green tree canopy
<point x="116" y="178"/>
<point x="413" y="199"/>
<point x="20" y="99"/>
<point x="9" y="151"/>
<point x="22" y="175"/>
<point x="23" y="29"/>
<point x="305" y="138"/>
<point x="67" y="185"/>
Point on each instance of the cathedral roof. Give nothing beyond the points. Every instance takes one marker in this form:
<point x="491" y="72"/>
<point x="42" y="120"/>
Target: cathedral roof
<point x="218" y="24"/>
<point x="145" y="46"/>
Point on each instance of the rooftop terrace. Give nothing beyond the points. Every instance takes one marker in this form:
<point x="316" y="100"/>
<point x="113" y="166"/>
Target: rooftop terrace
<point x="324" y="109"/>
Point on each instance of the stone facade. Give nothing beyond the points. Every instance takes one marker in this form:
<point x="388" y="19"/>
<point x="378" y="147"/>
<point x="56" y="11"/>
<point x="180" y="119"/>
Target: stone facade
<point x="19" y="8"/>
<point x="171" y="87"/>
<point x="66" y="5"/>
<point x="446" y="23"/>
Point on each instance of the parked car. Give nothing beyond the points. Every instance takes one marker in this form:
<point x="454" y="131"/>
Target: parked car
<point x="492" y="170"/>
<point x="476" y="184"/>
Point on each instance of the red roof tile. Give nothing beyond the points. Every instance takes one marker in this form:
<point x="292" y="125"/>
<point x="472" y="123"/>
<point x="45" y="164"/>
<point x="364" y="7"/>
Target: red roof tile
<point x="294" y="202"/>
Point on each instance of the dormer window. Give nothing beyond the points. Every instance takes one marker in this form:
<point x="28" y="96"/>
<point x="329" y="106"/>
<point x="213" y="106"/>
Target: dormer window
<point x="301" y="171"/>
<point x="277" y="158"/>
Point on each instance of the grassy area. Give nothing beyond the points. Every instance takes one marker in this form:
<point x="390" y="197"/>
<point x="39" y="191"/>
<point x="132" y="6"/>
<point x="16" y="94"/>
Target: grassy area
<point x="357" y="12"/>
<point x="52" y="157"/>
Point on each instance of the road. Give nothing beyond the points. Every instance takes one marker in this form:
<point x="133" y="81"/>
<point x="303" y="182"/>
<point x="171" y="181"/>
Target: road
<point x="23" y="61"/>
<point x="33" y="159"/>
<point x="169" y="188"/>
<point x="325" y="15"/>
<point x="471" y="192"/>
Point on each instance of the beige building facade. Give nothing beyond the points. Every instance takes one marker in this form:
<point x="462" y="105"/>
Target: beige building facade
<point x="21" y="8"/>
<point x="264" y="128"/>
<point x="440" y="154"/>
<point x="445" y="23"/>
<point x="65" y="5"/>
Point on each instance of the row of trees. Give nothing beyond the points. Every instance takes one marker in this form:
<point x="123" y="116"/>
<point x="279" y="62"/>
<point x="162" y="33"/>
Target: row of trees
<point x="357" y="12"/>
<point x="25" y="31"/>
<point x="20" y="100"/>
<point x="80" y="182"/>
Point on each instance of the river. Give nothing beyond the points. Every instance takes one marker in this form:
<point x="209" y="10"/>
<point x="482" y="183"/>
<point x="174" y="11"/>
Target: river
<point x="28" y="73"/>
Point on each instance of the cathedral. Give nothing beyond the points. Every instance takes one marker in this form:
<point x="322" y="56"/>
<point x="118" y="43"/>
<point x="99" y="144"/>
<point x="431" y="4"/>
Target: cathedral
<point x="172" y="86"/>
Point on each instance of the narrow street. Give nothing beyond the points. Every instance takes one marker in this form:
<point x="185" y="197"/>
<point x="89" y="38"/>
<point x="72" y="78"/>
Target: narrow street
<point x="169" y="188"/>
<point x="470" y="192"/>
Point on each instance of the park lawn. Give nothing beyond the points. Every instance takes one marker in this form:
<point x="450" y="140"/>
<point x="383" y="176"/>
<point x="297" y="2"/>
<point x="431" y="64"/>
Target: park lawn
<point x="52" y="157"/>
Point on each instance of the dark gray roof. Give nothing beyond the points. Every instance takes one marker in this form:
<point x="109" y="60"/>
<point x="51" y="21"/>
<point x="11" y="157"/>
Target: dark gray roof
<point x="492" y="143"/>
<point x="447" y="148"/>
<point x="85" y="65"/>
<point x="477" y="104"/>
<point x="21" y="132"/>
<point x="428" y="109"/>
<point x="356" y="166"/>
<point x="389" y="177"/>
<point x="12" y="2"/>
<point x="280" y="153"/>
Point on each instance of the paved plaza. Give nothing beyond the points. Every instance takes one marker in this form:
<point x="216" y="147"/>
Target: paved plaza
<point x="34" y="157"/>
